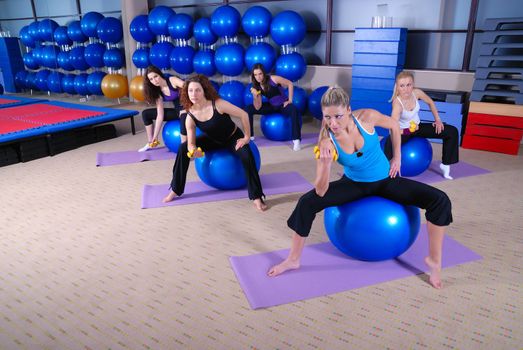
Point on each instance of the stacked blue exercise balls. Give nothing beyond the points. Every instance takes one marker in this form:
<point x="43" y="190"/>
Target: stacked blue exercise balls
<point x="229" y="57"/>
<point x="232" y="91"/>
<point x="180" y="27"/>
<point x="314" y="102"/>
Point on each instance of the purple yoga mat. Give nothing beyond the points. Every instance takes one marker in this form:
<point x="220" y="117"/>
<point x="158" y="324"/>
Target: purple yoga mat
<point x="198" y="192"/>
<point x="127" y="157"/>
<point x="306" y="139"/>
<point x="457" y="171"/>
<point x="325" y="270"/>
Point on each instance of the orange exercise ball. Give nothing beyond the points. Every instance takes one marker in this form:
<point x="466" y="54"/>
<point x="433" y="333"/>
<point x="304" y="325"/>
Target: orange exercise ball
<point x="136" y="88"/>
<point x="115" y="86"/>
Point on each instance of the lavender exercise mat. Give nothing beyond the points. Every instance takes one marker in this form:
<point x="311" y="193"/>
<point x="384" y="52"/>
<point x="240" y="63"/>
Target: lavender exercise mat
<point x="457" y="171"/>
<point x="127" y="157"/>
<point x="198" y="192"/>
<point x="325" y="270"/>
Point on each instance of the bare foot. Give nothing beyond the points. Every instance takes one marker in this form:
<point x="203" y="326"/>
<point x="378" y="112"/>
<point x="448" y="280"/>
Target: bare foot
<point x="435" y="273"/>
<point x="260" y="204"/>
<point x="282" y="267"/>
<point x="169" y="197"/>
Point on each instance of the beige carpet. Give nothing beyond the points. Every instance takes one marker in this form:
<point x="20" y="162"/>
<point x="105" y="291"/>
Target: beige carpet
<point x="83" y="267"/>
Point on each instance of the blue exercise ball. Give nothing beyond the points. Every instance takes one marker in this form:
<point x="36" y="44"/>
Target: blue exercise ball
<point x="50" y="56"/>
<point x="247" y="96"/>
<point x="225" y="21"/>
<point x="77" y="58"/>
<point x="110" y="30"/>
<point x="114" y="58"/>
<point x="299" y="99"/>
<point x="171" y="135"/>
<point x="141" y="57"/>
<point x="68" y="84"/>
<point x="159" y="18"/>
<point x="20" y="79"/>
<point x="30" y="61"/>
<point x="416" y="156"/>
<point x="229" y="59"/>
<point x="64" y="61"/>
<point x="80" y="84"/>
<point x="54" y="82"/>
<point x="260" y="53"/>
<point x="276" y="127"/>
<point x="94" y="82"/>
<point x="288" y="28"/>
<point x="203" y="62"/>
<point x="256" y="21"/>
<point x="139" y="29"/>
<point x="180" y="26"/>
<point x="222" y="169"/>
<point x="291" y="66"/>
<point x="74" y="32"/>
<point x="232" y="91"/>
<point x="61" y="37"/>
<point x="37" y="54"/>
<point x="181" y="59"/>
<point x="89" y="23"/>
<point x="160" y="54"/>
<point x="315" y="102"/>
<point x="30" y="80"/>
<point x="372" y="228"/>
<point x="94" y="55"/>
<point x="26" y="38"/>
<point x="41" y="79"/>
<point x="215" y="85"/>
<point x="203" y="33"/>
<point x="46" y="28"/>
<point x="32" y="30"/>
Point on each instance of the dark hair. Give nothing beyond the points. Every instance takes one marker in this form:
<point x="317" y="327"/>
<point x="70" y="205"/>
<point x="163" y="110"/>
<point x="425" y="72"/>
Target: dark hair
<point x="208" y="90"/>
<point x="265" y="81"/>
<point x="151" y="92"/>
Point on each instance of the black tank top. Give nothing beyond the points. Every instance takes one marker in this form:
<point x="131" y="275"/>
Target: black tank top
<point x="219" y="128"/>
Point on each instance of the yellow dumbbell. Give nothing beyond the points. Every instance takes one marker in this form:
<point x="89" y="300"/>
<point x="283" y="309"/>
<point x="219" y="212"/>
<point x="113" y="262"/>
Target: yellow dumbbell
<point x="190" y="153"/>
<point x="413" y="126"/>
<point x="316" y="151"/>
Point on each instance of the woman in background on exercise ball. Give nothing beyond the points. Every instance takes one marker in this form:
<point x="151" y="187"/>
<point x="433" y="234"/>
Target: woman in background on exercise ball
<point x="351" y="139"/>
<point x="158" y="89"/>
<point x="271" y="86"/>
<point x="405" y="108"/>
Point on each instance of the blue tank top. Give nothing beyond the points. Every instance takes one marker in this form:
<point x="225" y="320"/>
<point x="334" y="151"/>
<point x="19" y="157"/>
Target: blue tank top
<point x="275" y="94"/>
<point x="173" y="92"/>
<point x="219" y="128"/>
<point x="369" y="164"/>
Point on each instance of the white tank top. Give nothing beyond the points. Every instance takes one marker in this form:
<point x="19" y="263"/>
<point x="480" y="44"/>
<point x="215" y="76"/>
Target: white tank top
<point x="407" y="116"/>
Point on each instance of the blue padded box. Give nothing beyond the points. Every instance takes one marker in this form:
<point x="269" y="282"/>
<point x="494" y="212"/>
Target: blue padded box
<point x="374" y="59"/>
<point x="385" y="72"/>
<point x="371" y="95"/>
<point x="373" y="83"/>
<point x="381" y="34"/>
<point x="379" y="46"/>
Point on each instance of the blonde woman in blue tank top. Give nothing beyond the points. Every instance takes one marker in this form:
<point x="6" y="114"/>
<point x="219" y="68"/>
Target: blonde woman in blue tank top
<point x="351" y="137"/>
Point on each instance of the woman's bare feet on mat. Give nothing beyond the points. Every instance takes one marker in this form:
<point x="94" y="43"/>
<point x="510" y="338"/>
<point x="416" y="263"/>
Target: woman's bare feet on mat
<point x="435" y="273"/>
<point x="260" y="204"/>
<point x="169" y="197"/>
<point x="282" y="267"/>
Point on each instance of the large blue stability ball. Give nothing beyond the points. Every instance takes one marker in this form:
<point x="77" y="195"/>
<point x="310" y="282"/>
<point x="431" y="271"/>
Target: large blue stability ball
<point x="94" y="55"/>
<point x="276" y="127"/>
<point x="291" y="66"/>
<point x="314" y="103"/>
<point x="30" y="61"/>
<point x="110" y="30"/>
<point x="74" y="32"/>
<point x="61" y="37"/>
<point x="46" y="29"/>
<point x="256" y="21"/>
<point x="181" y="59"/>
<point x="94" y="82"/>
<point x="372" y="228"/>
<point x="416" y="156"/>
<point x="299" y="99"/>
<point x="54" y="82"/>
<point x="77" y="58"/>
<point x="141" y="57"/>
<point x="222" y="169"/>
<point x="180" y="26"/>
<point x="68" y="84"/>
<point x="203" y="62"/>
<point x="171" y="135"/>
<point x="49" y="56"/>
<point x="229" y="59"/>
<point x="32" y="30"/>
<point x="41" y="79"/>
<point x="80" y="84"/>
<point x="288" y="28"/>
<point x="232" y="91"/>
<point x="160" y="54"/>
<point x="260" y="53"/>
<point x="139" y="29"/>
<point x="64" y="61"/>
<point x="114" y="58"/>
<point x="89" y="22"/>
<point x="159" y="18"/>
<point x="203" y="33"/>
<point x="225" y="21"/>
<point x="26" y="38"/>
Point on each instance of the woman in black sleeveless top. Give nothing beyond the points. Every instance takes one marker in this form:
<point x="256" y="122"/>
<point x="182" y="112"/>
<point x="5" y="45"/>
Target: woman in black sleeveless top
<point x="207" y="111"/>
<point x="159" y="89"/>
